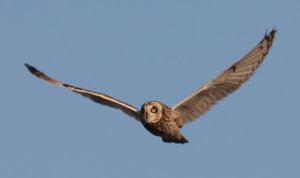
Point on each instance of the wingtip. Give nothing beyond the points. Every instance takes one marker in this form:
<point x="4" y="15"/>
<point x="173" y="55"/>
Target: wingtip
<point x="271" y="33"/>
<point x="269" y="36"/>
<point x="32" y="69"/>
<point x="27" y="65"/>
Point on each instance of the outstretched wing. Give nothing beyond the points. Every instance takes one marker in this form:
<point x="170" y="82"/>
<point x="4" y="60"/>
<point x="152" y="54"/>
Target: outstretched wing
<point x="97" y="97"/>
<point x="224" y="84"/>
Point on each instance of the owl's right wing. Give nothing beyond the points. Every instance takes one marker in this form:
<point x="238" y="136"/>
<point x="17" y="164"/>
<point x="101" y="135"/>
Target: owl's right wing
<point x="97" y="97"/>
<point x="224" y="84"/>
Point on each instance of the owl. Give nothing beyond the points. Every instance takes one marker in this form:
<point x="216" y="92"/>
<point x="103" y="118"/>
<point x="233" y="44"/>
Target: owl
<point x="164" y="121"/>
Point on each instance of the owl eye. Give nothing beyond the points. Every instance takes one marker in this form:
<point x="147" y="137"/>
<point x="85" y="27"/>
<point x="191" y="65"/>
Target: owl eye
<point x="153" y="110"/>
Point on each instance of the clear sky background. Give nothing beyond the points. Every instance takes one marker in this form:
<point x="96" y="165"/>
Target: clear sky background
<point x="137" y="51"/>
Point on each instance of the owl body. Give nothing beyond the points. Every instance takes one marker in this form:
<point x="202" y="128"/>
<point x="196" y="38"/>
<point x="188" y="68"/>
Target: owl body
<point x="157" y="118"/>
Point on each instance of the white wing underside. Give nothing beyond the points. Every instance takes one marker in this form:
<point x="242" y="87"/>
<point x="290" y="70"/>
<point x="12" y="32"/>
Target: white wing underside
<point x="224" y="84"/>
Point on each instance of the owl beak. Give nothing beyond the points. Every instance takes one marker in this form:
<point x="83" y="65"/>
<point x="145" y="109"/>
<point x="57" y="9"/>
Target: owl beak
<point x="144" y="114"/>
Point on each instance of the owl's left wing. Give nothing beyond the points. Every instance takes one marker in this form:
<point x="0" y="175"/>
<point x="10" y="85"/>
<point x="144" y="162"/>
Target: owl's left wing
<point x="97" y="97"/>
<point x="227" y="82"/>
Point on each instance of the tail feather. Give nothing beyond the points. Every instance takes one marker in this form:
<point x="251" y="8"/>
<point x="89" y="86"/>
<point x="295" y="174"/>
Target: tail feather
<point x="183" y="140"/>
<point x="180" y="140"/>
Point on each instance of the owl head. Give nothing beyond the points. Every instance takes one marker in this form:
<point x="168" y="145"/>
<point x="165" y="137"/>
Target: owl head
<point x="151" y="112"/>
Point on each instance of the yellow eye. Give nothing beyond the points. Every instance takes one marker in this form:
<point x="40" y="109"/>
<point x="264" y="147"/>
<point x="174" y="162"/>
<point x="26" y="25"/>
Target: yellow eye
<point x="153" y="110"/>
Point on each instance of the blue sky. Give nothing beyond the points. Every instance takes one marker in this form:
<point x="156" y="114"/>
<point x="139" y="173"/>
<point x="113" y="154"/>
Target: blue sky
<point x="138" y="51"/>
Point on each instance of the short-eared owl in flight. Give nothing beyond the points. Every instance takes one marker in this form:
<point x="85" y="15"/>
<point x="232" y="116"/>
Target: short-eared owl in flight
<point x="164" y="121"/>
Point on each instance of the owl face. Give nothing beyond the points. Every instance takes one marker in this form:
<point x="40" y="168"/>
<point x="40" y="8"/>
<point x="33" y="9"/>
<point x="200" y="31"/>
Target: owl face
<point x="151" y="112"/>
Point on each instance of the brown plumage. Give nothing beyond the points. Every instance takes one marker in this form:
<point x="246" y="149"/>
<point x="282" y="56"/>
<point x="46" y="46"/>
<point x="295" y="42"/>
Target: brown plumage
<point x="165" y="122"/>
<point x="165" y="127"/>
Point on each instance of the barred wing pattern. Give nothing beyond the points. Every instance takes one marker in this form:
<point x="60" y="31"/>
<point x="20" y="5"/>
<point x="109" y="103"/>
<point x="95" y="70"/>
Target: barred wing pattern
<point x="97" y="97"/>
<point x="227" y="82"/>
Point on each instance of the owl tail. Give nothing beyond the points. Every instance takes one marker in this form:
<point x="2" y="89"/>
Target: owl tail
<point x="180" y="140"/>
